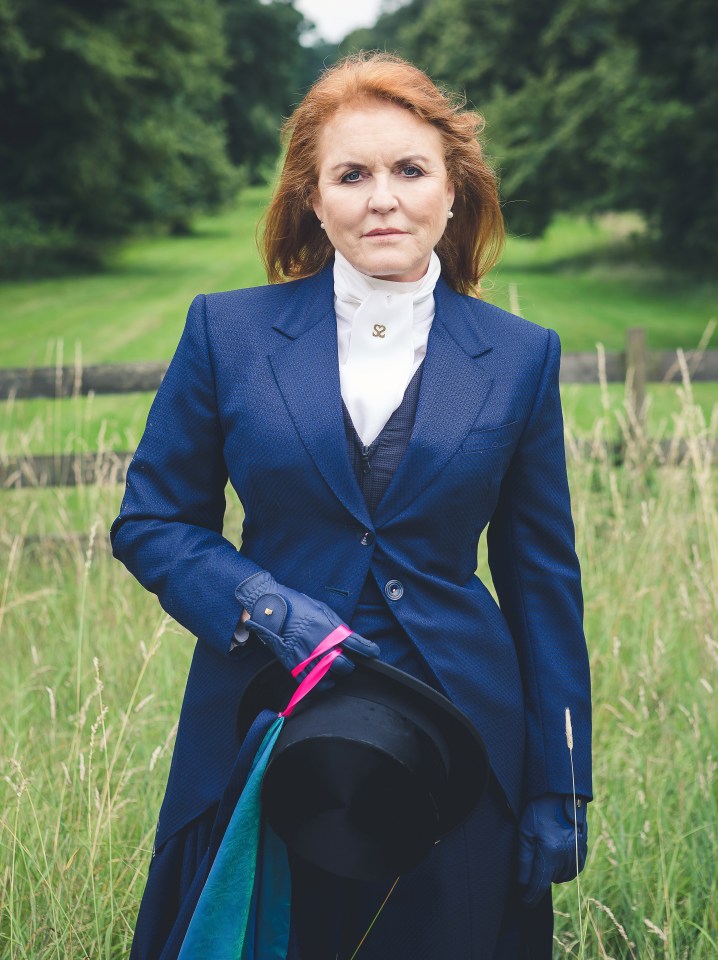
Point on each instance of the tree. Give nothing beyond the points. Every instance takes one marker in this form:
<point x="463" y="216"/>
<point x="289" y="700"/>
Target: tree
<point x="263" y="77"/>
<point x="592" y="105"/>
<point x="109" y="120"/>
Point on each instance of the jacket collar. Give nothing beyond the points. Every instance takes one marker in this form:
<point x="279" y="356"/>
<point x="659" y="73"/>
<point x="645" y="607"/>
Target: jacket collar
<point x="315" y="297"/>
<point x="312" y="299"/>
<point x="454" y="387"/>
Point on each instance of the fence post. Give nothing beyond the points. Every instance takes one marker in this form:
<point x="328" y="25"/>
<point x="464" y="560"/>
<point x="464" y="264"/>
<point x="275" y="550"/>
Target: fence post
<point x="636" y="369"/>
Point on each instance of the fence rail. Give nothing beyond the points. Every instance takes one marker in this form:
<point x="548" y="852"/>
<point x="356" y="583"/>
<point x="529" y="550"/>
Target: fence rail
<point x="56" y="382"/>
<point x="60" y="382"/>
<point x="79" y="469"/>
<point x="66" y="470"/>
<point x="636" y="366"/>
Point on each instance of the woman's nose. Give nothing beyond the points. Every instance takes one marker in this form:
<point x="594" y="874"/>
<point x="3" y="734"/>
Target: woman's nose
<point x="382" y="197"/>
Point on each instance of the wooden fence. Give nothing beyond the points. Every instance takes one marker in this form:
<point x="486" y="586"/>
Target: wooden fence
<point x="635" y="366"/>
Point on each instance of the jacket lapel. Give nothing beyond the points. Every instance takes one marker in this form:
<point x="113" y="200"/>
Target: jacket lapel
<point x="454" y="386"/>
<point x="307" y="373"/>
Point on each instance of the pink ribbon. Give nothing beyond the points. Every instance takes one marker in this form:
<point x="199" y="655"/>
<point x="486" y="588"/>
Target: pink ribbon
<point x="329" y="643"/>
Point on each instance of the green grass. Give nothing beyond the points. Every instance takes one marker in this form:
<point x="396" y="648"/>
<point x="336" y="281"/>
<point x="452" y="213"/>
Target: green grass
<point x="136" y="308"/>
<point x="94" y="675"/>
<point x="579" y="279"/>
<point x="587" y="281"/>
<point x="73" y="425"/>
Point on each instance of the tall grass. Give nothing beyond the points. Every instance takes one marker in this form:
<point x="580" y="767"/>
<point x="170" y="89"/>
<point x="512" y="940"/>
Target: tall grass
<point x="93" y="675"/>
<point x="647" y="537"/>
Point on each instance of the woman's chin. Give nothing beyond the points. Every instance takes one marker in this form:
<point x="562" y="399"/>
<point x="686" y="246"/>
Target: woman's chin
<point x="384" y="266"/>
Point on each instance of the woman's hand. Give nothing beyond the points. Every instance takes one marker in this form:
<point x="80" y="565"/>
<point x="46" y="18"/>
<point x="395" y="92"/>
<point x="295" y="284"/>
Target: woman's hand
<point x="550" y="838"/>
<point x="293" y="625"/>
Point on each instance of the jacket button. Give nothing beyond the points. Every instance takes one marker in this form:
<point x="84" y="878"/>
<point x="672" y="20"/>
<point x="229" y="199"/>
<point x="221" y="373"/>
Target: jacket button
<point x="366" y="538"/>
<point x="394" y="589"/>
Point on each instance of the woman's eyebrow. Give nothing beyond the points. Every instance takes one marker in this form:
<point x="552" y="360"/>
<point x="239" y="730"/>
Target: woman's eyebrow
<point x="411" y="158"/>
<point x="348" y="163"/>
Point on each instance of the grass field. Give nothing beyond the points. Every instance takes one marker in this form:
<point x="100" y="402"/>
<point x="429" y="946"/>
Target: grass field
<point x="93" y="672"/>
<point x="581" y="279"/>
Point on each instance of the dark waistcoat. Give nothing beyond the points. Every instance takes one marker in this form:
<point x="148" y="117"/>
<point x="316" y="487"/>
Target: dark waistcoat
<point x="374" y="465"/>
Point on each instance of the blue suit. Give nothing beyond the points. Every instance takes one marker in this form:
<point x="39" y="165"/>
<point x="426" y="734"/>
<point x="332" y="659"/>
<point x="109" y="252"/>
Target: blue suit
<point x="253" y="395"/>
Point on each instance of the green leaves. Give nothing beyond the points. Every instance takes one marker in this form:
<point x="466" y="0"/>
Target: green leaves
<point x="591" y="105"/>
<point x="116" y="117"/>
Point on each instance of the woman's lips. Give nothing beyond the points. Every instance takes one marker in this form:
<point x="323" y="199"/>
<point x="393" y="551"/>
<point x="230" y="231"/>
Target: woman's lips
<point x="385" y="233"/>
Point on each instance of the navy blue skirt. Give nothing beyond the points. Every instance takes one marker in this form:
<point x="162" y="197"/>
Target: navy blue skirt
<point x="460" y="902"/>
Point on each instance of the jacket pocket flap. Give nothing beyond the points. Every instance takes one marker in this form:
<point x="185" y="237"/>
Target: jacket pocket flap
<point x="491" y="437"/>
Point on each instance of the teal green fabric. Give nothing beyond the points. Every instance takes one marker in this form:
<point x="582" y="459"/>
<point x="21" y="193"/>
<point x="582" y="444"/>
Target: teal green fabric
<point x="235" y="915"/>
<point x="267" y="935"/>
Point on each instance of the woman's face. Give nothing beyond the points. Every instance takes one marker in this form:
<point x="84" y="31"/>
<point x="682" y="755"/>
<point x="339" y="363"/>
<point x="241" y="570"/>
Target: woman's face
<point x="383" y="192"/>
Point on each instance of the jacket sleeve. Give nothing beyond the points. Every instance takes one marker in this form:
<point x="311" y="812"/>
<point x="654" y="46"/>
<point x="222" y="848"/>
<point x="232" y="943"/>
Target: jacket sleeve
<point x="537" y="579"/>
<point x="169" y="530"/>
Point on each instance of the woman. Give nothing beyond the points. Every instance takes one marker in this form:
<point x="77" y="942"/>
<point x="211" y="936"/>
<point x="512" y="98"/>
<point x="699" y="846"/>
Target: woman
<point x="374" y="418"/>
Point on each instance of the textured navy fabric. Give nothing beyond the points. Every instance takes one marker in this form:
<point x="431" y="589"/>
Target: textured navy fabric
<point x="177" y="872"/>
<point x="253" y="394"/>
<point x="462" y="902"/>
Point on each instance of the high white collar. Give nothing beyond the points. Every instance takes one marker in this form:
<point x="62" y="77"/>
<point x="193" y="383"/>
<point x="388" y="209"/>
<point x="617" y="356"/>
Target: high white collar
<point x="352" y="286"/>
<point x="382" y="331"/>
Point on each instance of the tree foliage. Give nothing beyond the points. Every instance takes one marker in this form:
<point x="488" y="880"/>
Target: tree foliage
<point x="263" y="77"/>
<point x="592" y="105"/>
<point x="109" y="116"/>
<point x="118" y="115"/>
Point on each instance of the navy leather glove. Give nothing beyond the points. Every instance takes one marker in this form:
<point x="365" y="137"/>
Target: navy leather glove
<point x="547" y="844"/>
<point x="292" y="624"/>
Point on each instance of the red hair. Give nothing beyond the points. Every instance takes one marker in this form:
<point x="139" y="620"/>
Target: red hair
<point x="294" y="245"/>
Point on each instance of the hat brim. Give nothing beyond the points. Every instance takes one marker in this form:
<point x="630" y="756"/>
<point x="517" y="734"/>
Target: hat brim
<point x="398" y="708"/>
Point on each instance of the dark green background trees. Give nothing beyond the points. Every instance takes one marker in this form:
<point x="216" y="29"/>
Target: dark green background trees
<point x="119" y="115"/>
<point x="592" y="105"/>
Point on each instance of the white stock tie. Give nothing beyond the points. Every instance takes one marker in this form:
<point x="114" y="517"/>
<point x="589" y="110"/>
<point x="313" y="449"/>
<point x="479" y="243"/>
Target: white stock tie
<point x="382" y="330"/>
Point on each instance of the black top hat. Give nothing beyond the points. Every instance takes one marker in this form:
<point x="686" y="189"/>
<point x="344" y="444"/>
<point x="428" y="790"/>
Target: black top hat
<point x="366" y="777"/>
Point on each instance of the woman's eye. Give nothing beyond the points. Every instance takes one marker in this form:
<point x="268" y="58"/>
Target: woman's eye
<point x="351" y="177"/>
<point x="413" y="172"/>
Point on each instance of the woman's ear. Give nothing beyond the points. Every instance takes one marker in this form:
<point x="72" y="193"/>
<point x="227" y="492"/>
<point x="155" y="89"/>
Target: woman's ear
<point x="450" y="195"/>
<point x="316" y="202"/>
